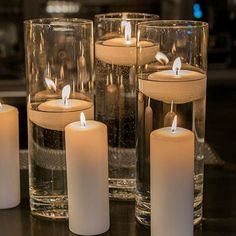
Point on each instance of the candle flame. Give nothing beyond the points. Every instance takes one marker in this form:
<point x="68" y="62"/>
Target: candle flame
<point x="176" y="66"/>
<point x="66" y="94"/>
<point x="50" y="84"/>
<point x="82" y="119"/>
<point x="1" y="106"/>
<point x="127" y="31"/>
<point x="162" y="58"/>
<point x="174" y="124"/>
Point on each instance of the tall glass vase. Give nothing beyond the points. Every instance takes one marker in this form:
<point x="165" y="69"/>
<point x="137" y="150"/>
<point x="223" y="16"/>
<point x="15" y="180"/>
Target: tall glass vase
<point x="115" y="59"/>
<point x="172" y="83"/>
<point x="59" y="71"/>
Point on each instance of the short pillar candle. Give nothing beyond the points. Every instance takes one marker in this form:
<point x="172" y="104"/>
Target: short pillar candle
<point x="9" y="158"/>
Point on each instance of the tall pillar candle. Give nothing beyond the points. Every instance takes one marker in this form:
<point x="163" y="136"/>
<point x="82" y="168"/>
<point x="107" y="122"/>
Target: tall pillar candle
<point x="172" y="190"/>
<point x="9" y="158"/>
<point x="87" y="177"/>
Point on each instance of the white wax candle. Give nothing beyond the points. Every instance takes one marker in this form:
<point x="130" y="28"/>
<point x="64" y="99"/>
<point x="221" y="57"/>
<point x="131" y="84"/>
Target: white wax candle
<point x="87" y="177"/>
<point x="167" y="86"/>
<point x="9" y="158"/>
<point x="57" y="117"/>
<point x="172" y="189"/>
<point x="56" y="114"/>
<point x="119" y="51"/>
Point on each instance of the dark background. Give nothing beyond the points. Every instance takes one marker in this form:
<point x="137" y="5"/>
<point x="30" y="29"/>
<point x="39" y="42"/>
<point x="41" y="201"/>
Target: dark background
<point x="221" y="16"/>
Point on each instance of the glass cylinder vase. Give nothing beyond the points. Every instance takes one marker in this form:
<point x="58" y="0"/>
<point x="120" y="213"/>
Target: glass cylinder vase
<point x="172" y="83"/>
<point x="59" y="71"/>
<point x="115" y="59"/>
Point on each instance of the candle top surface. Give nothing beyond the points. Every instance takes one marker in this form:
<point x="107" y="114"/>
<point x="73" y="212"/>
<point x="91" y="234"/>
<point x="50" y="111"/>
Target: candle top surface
<point x="90" y="125"/>
<point x="167" y="133"/>
<point x="4" y="108"/>
<point x="58" y="105"/>
<point x="170" y="75"/>
<point x="121" y="42"/>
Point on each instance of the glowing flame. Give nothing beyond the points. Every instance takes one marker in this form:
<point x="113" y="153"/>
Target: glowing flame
<point x="1" y="106"/>
<point x="162" y="58"/>
<point x="174" y="124"/>
<point x="127" y="32"/>
<point x="177" y="65"/>
<point x="66" y="94"/>
<point x="82" y="119"/>
<point x="50" y="84"/>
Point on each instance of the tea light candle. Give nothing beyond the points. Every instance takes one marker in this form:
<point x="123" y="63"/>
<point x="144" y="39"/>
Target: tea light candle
<point x="181" y="86"/>
<point x="87" y="177"/>
<point x="122" y="51"/>
<point x="56" y="114"/>
<point x="172" y="173"/>
<point x="9" y="158"/>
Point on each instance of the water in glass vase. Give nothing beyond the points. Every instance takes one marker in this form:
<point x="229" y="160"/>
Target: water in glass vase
<point x="154" y="114"/>
<point x="115" y="106"/>
<point x="47" y="170"/>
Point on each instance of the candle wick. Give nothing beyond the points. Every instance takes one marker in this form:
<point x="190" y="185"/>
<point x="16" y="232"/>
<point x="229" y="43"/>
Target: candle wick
<point x="174" y="124"/>
<point x="177" y="71"/>
<point x="65" y="101"/>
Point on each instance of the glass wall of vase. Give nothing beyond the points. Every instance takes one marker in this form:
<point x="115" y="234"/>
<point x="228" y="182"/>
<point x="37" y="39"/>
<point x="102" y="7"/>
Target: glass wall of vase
<point x="115" y="59"/>
<point x="59" y="71"/>
<point x="171" y="82"/>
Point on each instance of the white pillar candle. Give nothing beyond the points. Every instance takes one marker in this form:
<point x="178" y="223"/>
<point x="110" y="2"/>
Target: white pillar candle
<point x="9" y="158"/>
<point x="181" y="86"/>
<point x="122" y="51"/>
<point x="87" y="177"/>
<point x="172" y="189"/>
<point x="56" y="114"/>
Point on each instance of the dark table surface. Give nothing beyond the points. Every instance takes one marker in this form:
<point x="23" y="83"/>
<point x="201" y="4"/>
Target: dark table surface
<point x="219" y="211"/>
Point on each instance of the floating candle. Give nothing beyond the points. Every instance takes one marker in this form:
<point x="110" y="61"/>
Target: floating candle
<point x="56" y="114"/>
<point x="181" y="86"/>
<point x="122" y="50"/>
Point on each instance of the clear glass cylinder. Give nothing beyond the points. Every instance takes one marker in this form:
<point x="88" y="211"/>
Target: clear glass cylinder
<point x="115" y="59"/>
<point x="172" y="83"/>
<point x="59" y="71"/>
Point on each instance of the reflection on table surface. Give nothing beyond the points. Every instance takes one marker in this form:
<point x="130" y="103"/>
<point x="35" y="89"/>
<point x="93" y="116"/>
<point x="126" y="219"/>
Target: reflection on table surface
<point x="219" y="211"/>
